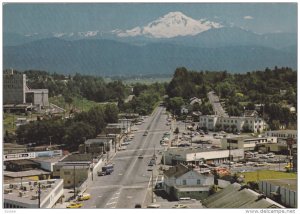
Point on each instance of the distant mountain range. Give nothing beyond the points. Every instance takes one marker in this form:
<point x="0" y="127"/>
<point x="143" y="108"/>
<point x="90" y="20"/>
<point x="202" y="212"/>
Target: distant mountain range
<point x="158" y="47"/>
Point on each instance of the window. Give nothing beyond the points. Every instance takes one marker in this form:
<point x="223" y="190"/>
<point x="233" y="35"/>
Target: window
<point x="183" y="182"/>
<point x="198" y="181"/>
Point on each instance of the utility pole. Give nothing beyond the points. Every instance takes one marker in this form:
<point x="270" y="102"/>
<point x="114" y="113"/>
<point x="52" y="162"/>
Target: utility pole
<point x="39" y="195"/>
<point x="152" y="188"/>
<point x="74" y="181"/>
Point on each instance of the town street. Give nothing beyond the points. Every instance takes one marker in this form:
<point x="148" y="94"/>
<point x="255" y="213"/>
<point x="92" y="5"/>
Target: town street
<point x="129" y="183"/>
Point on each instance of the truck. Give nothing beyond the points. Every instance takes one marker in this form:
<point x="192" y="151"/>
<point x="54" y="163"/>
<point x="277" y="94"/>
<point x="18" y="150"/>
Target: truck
<point x="106" y="170"/>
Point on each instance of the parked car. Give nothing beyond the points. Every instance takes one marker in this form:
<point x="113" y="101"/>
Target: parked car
<point x="84" y="197"/>
<point x="153" y="206"/>
<point x="74" y="205"/>
<point x="140" y="157"/>
<point x="180" y="206"/>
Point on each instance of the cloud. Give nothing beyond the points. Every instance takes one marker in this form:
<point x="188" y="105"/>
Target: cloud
<point x="248" y="17"/>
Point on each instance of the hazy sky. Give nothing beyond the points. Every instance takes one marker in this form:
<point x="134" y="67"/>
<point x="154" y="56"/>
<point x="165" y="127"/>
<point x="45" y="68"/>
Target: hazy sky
<point x="67" y="17"/>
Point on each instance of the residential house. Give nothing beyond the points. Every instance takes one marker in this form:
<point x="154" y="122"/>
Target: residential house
<point x="182" y="181"/>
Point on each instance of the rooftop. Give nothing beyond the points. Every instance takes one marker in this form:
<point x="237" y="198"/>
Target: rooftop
<point x="177" y="171"/>
<point x="27" y="194"/>
<point x="234" y="196"/>
<point x="287" y="183"/>
<point x="52" y="159"/>
<point x="27" y="173"/>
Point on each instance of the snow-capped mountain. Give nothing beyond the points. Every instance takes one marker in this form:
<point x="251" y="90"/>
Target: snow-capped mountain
<point x="171" y="25"/>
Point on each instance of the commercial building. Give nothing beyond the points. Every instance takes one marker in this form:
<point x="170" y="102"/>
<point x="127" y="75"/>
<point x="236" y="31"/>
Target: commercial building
<point x="25" y="194"/>
<point x="282" y="134"/>
<point x="284" y="191"/>
<point x="175" y="155"/>
<point x="14" y="88"/>
<point x="182" y="181"/>
<point x="237" y="196"/>
<point x="17" y="96"/>
<point x="76" y="168"/>
<point x="99" y="145"/>
<point x="227" y="123"/>
<point x="246" y="143"/>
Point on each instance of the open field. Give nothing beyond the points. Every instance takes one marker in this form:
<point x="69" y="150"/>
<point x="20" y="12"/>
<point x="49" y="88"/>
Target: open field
<point x="267" y="174"/>
<point x="78" y="103"/>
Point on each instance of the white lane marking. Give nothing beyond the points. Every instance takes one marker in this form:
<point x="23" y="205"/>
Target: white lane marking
<point x="99" y="196"/>
<point x="114" y="202"/>
<point x="117" y="193"/>
<point x="120" y="174"/>
<point x="129" y="196"/>
<point x="114" y="198"/>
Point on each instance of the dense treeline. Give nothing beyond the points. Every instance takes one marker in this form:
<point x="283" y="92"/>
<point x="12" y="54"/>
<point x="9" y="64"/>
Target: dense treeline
<point x="145" y="98"/>
<point x="275" y="89"/>
<point x="71" y="132"/>
<point x="89" y="87"/>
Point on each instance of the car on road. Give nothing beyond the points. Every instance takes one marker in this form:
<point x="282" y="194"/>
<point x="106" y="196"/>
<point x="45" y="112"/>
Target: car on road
<point x="150" y="164"/>
<point x="74" y="205"/>
<point x="140" y="157"/>
<point x="180" y="206"/>
<point x="153" y="206"/>
<point x="84" y="197"/>
<point x="145" y="133"/>
<point x="100" y="173"/>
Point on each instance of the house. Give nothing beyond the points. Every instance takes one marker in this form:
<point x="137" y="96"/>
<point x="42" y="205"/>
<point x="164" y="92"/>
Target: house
<point x="182" y="181"/>
<point x="238" y="196"/>
<point x="250" y="113"/>
<point x="195" y="100"/>
<point x="184" y="110"/>
<point x="284" y="191"/>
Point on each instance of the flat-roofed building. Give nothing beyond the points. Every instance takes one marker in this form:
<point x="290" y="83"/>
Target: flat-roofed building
<point x="34" y="174"/>
<point x="25" y="194"/>
<point x="175" y="155"/>
<point x="282" y="134"/>
<point x="246" y="143"/>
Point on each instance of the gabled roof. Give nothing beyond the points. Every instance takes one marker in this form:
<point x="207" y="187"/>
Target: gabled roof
<point x="233" y="196"/>
<point x="177" y="171"/>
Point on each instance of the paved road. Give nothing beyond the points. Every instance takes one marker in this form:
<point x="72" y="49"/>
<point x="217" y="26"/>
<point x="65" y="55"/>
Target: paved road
<point x="131" y="181"/>
<point x="215" y="102"/>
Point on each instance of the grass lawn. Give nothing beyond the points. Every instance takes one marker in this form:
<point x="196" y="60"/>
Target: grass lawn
<point x="267" y="174"/>
<point x="78" y="103"/>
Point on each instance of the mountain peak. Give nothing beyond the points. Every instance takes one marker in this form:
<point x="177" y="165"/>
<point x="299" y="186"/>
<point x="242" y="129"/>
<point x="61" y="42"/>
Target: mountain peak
<point x="171" y="25"/>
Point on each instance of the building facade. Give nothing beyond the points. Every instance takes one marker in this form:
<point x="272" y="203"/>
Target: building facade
<point x="246" y="143"/>
<point x="214" y="122"/>
<point x="176" y="155"/>
<point x="14" y="88"/>
<point x="181" y="181"/>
